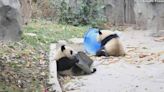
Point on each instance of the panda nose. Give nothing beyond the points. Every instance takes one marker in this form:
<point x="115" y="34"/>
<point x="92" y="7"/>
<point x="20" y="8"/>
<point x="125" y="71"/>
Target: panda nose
<point x="71" y="52"/>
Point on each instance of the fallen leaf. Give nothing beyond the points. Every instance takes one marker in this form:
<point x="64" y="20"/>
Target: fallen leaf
<point x="159" y="39"/>
<point x="29" y="64"/>
<point x="163" y="61"/>
<point x="161" y="52"/>
<point x="144" y="48"/>
<point x="112" y="62"/>
<point x="150" y="59"/>
<point x="131" y="50"/>
<point x="142" y="55"/>
<point x="128" y="56"/>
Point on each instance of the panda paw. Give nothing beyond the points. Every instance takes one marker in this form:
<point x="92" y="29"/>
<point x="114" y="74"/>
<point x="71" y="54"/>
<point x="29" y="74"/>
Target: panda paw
<point x="94" y="70"/>
<point x="100" y="53"/>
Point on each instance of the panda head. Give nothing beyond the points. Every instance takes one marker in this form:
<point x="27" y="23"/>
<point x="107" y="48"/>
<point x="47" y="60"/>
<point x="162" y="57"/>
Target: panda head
<point x="65" y="51"/>
<point x="103" y="34"/>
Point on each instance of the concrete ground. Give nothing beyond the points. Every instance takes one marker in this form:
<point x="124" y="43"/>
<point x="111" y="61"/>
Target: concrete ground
<point x="141" y="70"/>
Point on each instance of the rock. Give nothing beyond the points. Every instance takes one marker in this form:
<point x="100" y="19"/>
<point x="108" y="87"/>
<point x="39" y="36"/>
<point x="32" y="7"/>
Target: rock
<point x="10" y="20"/>
<point x="76" y="40"/>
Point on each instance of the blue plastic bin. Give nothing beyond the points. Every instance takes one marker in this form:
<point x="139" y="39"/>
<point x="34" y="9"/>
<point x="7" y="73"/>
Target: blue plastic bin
<point x="90" y="43"/>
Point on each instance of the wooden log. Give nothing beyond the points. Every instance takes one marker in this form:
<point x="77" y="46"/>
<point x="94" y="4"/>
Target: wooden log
<point x="53" y="80"/>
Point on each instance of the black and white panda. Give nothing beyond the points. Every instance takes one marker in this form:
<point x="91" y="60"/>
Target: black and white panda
<point x="66" y="61"/>
<point x="110" y="44"/>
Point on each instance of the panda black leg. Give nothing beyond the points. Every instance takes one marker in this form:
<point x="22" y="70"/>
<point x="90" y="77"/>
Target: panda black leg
<point x="100" y="53"/>
<point x="94" y="70"/>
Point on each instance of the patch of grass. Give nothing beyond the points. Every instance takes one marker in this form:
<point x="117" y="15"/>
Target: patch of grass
<point x="23" y="60"/>
<point x="44" y="33"/>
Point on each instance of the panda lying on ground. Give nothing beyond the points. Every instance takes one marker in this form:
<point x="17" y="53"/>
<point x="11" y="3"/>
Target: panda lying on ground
<point x="66" y="62"/>
<point x="110" y="44"/>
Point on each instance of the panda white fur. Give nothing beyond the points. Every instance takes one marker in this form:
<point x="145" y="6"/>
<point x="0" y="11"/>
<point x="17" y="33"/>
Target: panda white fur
<point x="66" y="61"/>
<point x="110" y="44"/>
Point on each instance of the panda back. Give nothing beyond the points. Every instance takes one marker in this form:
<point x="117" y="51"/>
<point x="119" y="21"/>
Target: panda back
<point x="112" y="46"/>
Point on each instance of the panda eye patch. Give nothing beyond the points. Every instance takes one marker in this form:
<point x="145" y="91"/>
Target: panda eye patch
<point x="100" y="33"/>
<point x="71" y="52"/>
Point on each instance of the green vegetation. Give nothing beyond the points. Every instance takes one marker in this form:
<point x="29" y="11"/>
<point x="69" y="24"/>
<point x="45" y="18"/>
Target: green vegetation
<point x="85" y="13"/>
<point x="43" y="33"/>
<point x="24" y="64"/>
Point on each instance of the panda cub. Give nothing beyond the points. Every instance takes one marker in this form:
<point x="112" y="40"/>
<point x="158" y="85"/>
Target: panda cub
<point x="66" y="62"/>
<point x="110" y="44"/>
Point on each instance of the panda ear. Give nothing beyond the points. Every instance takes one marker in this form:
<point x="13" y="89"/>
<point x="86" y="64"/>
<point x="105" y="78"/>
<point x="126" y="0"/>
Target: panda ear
<point x="62" y="48"/>
<point x="100" y="33"/>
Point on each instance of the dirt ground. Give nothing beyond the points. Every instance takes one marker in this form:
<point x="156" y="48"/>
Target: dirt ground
<point x="141" y="70"/>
